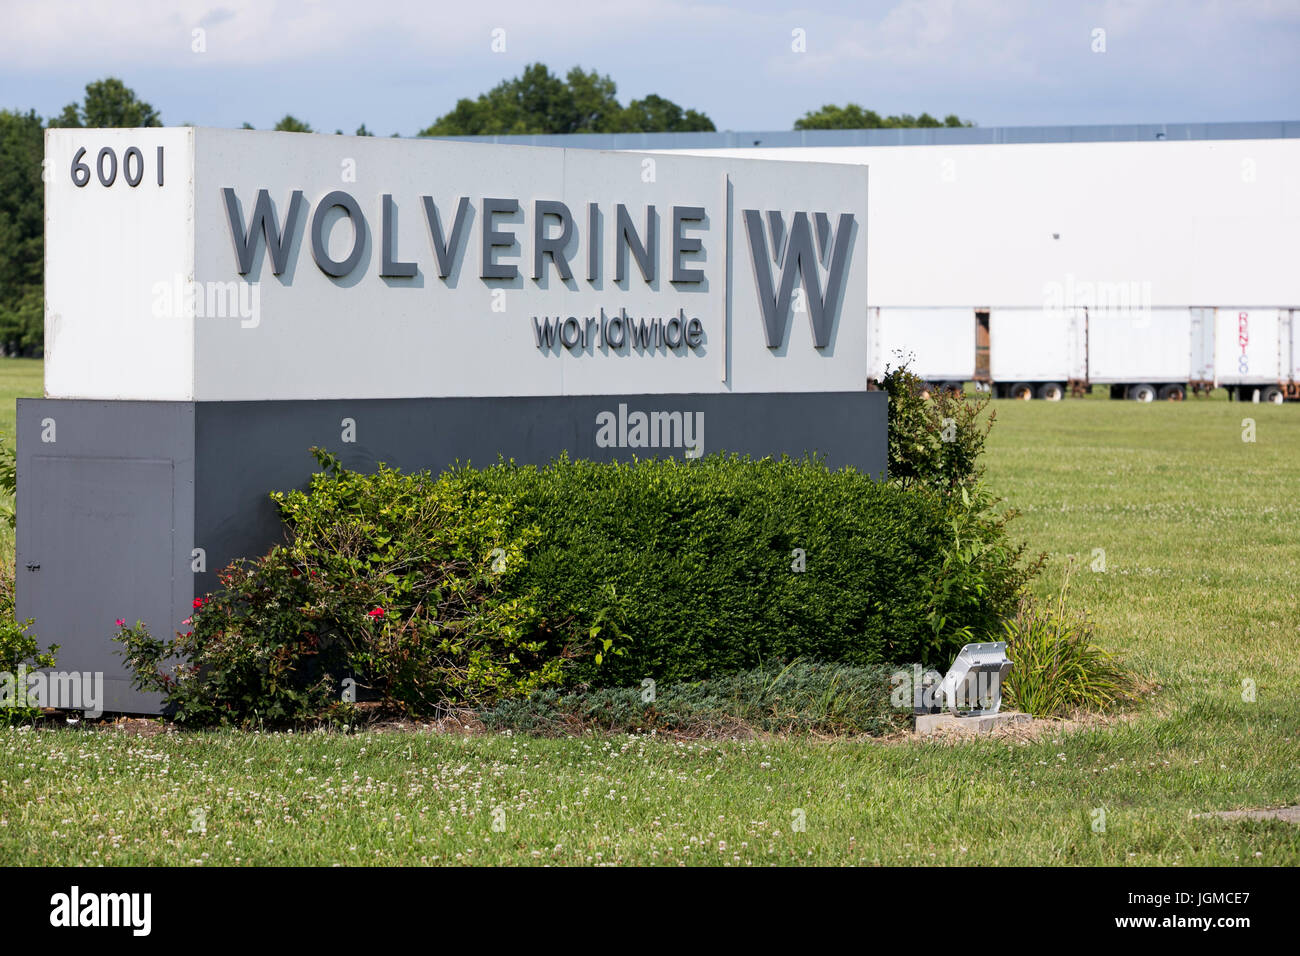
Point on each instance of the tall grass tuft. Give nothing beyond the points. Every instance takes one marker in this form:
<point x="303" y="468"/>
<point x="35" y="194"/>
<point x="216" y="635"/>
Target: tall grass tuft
<point x="1057" y="668"/>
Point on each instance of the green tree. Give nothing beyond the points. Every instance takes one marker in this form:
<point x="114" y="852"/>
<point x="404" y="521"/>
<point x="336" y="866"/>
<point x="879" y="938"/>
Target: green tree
<point x="291" y="124"/>
<point x="22" y="233"/>
<point x="109" y="103"/>
<point x="853" y="116"/>
<point x="654" y="114"/>
<point x="588" y="103"/>
<point x="538" y="101"/>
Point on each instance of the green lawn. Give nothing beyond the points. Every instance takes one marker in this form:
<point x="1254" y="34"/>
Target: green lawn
<point x="1200" y="534"/>
<point x="19" y="378"/>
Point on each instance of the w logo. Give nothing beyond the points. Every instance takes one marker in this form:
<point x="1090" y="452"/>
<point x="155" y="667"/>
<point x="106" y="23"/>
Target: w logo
<point x="798" y="260"/>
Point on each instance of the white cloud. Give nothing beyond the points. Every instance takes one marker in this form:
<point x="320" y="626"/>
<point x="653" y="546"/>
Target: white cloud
<point x="399" y="62"/>
<point x="158" y="33"/>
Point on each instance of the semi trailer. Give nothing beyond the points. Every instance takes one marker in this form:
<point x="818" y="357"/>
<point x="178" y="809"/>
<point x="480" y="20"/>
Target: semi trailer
<point x="940" y="341"/>
<point x="1037" y="353"/>
<point x="1158" y="354"/>
<point x="1256" y="353"/>
<point x="1149" y="261"/>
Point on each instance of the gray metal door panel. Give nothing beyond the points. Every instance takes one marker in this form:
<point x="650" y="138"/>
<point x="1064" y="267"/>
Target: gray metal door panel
<point x="101" y="546"/>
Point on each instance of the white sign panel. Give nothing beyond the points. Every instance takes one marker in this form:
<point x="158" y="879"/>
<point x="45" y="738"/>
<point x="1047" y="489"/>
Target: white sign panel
<point x="200" y="264"/>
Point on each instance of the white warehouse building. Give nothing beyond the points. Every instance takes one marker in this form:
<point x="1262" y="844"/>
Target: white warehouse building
<point x="1150" y="259"/>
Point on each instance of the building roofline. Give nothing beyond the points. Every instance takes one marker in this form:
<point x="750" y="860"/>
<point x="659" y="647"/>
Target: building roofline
<point x="935" y="136"/>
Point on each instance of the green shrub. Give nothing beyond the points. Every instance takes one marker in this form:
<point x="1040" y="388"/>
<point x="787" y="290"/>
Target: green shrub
<point x="386" y="580"/>
<point x="18" y="648"/>
<point x="981" y="578"/>
<point x="1057" y="668"/>
<point x="936" y="435"/>
<point x="265" y="647"/>
<point x="440" y="560"/>
<point x="8" y="481"/>
<point x="691" y="566"/>
<point x="487" y="583"/>
<point x="800" y="697"/>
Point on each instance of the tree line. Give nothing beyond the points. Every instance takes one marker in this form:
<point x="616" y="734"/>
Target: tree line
<point x="535" y="102"/>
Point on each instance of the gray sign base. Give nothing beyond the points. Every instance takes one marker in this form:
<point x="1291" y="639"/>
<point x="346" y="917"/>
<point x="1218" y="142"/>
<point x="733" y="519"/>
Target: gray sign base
<point x="116" y="499"/>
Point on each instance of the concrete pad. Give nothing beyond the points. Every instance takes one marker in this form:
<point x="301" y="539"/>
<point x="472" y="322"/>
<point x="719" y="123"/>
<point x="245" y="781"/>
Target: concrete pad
<point x="1286" y="814"/>
<point x="987" y="723"/>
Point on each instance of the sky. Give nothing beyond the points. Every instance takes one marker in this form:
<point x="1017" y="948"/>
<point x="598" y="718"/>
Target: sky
<point x="396" y="65"/>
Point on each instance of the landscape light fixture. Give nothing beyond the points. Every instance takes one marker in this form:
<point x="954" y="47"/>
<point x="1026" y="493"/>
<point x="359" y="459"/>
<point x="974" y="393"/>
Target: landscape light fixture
<point x="973" y="685"/>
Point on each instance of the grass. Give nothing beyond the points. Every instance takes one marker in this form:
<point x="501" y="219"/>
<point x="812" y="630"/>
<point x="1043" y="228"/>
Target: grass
<point x="1059" y="668"/>
<point x="1199" y="590"/>
<point x="19" y="378"/>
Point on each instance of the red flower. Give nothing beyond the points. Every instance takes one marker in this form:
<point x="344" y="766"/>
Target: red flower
<point x="198" y="603"/>
<point x="121" y="623"/>
<point x="377" y="612"/>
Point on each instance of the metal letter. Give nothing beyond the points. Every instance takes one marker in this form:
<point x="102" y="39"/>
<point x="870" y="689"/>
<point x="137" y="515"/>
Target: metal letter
<point x="494" y="238"/>
<point x="388" y="264"/>
<point x="553" y="245"/>
<point x="319" y="249"/>
<point x="447" y="252"/>
<point x="263" y="221"/>
<point x="681" y="244"/>
<point x="628" y="239"/>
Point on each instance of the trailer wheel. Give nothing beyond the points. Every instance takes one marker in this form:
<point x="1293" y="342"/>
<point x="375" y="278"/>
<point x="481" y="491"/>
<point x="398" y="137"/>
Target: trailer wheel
<point x="1051" y="392"/>
<point x="1022" y="391"/>
<point x="1172" y="393"/>
<point x="1142" y="393"/>
<point x="1272" y="394"/>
